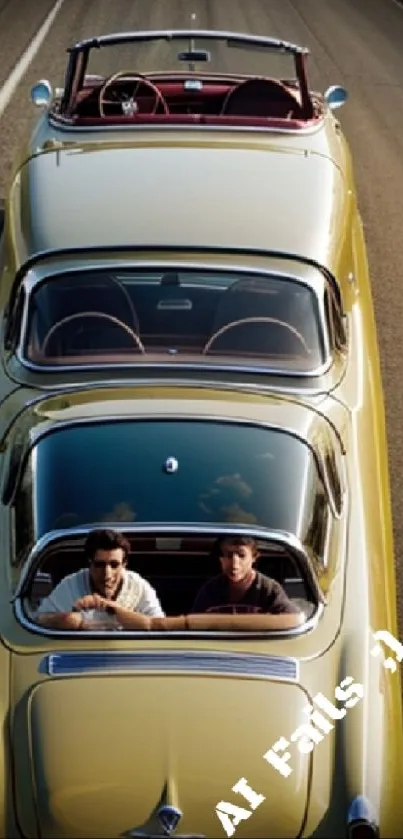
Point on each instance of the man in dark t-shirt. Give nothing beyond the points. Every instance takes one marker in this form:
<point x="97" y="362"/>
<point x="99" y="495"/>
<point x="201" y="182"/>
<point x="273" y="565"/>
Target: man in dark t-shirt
<point x="240" y="589"/>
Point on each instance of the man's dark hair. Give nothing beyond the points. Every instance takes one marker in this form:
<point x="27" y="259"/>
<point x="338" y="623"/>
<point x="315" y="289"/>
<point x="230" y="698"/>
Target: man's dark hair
<point x="106" y="540"/>
<point x="239" y="541"/>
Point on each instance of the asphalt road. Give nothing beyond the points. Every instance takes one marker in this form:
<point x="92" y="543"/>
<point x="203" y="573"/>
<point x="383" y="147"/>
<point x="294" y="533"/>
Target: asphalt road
<point x="354" y="42"/>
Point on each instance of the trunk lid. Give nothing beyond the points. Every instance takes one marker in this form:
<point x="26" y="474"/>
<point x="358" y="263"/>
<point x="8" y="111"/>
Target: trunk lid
<point x="104" y="753"/>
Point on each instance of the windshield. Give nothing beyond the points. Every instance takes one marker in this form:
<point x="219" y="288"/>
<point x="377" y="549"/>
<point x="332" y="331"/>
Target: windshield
<point x="162" y="56"/>
<point x="175" y="316"/>
<point x="169" y="471"/>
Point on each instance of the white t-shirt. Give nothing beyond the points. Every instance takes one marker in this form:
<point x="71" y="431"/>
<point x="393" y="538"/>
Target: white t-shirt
<point x="136" y="594"/>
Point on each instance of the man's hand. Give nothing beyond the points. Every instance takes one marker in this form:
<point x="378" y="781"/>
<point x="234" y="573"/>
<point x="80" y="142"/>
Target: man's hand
<point x="126" y="618"/>
<point x="92" y="601"/>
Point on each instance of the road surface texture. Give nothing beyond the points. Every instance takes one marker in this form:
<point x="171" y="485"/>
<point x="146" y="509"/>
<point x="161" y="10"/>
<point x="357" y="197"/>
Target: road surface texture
<point x="354" y="42"/>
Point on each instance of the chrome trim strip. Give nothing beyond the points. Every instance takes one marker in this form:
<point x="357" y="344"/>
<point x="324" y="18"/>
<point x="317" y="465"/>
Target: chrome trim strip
<point x="150" y="35"/>
<point x="59" y="369"/>
<point x="47" y="390"/>
<point x="222" y="663"/>
<point x="25" y="408"/>
<point x="247" y="129"/>
<point x="32" y="561"/>
<point x="83" y="252"/>
<point x="50" y="426"/>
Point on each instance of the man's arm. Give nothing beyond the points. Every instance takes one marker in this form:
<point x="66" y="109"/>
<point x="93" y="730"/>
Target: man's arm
<point x="56" y="611"/>
<point x="63" y="597"/>
<point x="126" y="618"/>
<point x="149" y="603"/>
<point x="61" y="620"/>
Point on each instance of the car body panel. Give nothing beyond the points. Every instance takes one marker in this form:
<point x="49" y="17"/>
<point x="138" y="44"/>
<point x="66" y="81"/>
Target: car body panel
<point x="184" y="175"/>
<point x="102" y="730"/>
<point x="321" y="669"/>
<point x="319" y="235"/>
<point x="72" y="765"/>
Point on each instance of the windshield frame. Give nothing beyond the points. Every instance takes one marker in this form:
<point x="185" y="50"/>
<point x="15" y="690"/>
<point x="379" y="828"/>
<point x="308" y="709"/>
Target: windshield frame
<point x="79" y="55"/>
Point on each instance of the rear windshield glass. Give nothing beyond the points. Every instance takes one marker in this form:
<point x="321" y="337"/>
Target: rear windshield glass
<point x="213" y="317"/>
<point x="169" y="471"/>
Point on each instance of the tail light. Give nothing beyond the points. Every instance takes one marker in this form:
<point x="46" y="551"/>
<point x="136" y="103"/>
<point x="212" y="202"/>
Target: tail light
<point x="361" y="823"/>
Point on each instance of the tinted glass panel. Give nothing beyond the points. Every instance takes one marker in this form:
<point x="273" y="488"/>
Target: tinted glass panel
<point x="163" y="56"/>
<point x="177" y="316"/>
<point x="221" y="472"/>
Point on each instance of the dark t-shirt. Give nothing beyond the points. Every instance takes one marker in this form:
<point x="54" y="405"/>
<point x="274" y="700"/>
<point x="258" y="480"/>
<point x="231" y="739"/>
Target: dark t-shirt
<point x="263" y="595"/>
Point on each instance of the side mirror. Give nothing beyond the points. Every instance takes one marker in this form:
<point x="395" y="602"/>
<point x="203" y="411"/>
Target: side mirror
<point x="41" y="94"/>
<point x="335" y="96"/>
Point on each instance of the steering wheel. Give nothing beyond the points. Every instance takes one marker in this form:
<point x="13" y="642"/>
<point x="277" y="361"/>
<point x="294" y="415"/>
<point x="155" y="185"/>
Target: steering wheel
<point x="140" y="79"/>
<point x="122" y="288"/>
<point x="233" y="324"/>
<point x="80" y="316"/>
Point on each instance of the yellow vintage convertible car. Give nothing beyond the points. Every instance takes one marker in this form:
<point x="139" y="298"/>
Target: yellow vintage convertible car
<point x="188" y="349"/>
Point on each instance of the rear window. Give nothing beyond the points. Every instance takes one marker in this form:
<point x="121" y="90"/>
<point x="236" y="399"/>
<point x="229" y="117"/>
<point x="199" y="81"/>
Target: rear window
<point x="180" y="316"/>
<point x="168" y="471"/>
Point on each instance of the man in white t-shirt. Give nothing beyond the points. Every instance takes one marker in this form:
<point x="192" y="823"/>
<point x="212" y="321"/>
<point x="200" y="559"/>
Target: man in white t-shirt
<point x="106" y="586"/>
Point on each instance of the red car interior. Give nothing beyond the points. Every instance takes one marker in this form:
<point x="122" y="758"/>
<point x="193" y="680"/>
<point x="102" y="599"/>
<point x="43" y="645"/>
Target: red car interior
<point x="250" y="102"/>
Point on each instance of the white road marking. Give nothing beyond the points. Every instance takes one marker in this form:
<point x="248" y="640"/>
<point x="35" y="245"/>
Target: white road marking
<point x="21" y="67"/>
<point x="398" y="3"/>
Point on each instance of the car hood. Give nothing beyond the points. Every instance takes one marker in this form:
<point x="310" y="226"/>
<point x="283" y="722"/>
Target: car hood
<point x="129" y="210"/>
<point x="104" y="753"/>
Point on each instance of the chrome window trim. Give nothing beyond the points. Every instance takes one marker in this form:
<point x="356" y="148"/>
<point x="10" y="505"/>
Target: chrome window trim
<point x="173" y="364"/>
<point x="66" y="128"/>
<point x="342" y="474"/>
<point x="48" y="389"/>
<point x="242" y="39"/>
<point x="280" y="537"/>
<point x="337" y="513"/>
<point x="327" y="542"/>
<point x="86" y="253"/>
<point x="38" y="275"/>
<point x="204" y="662"/>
